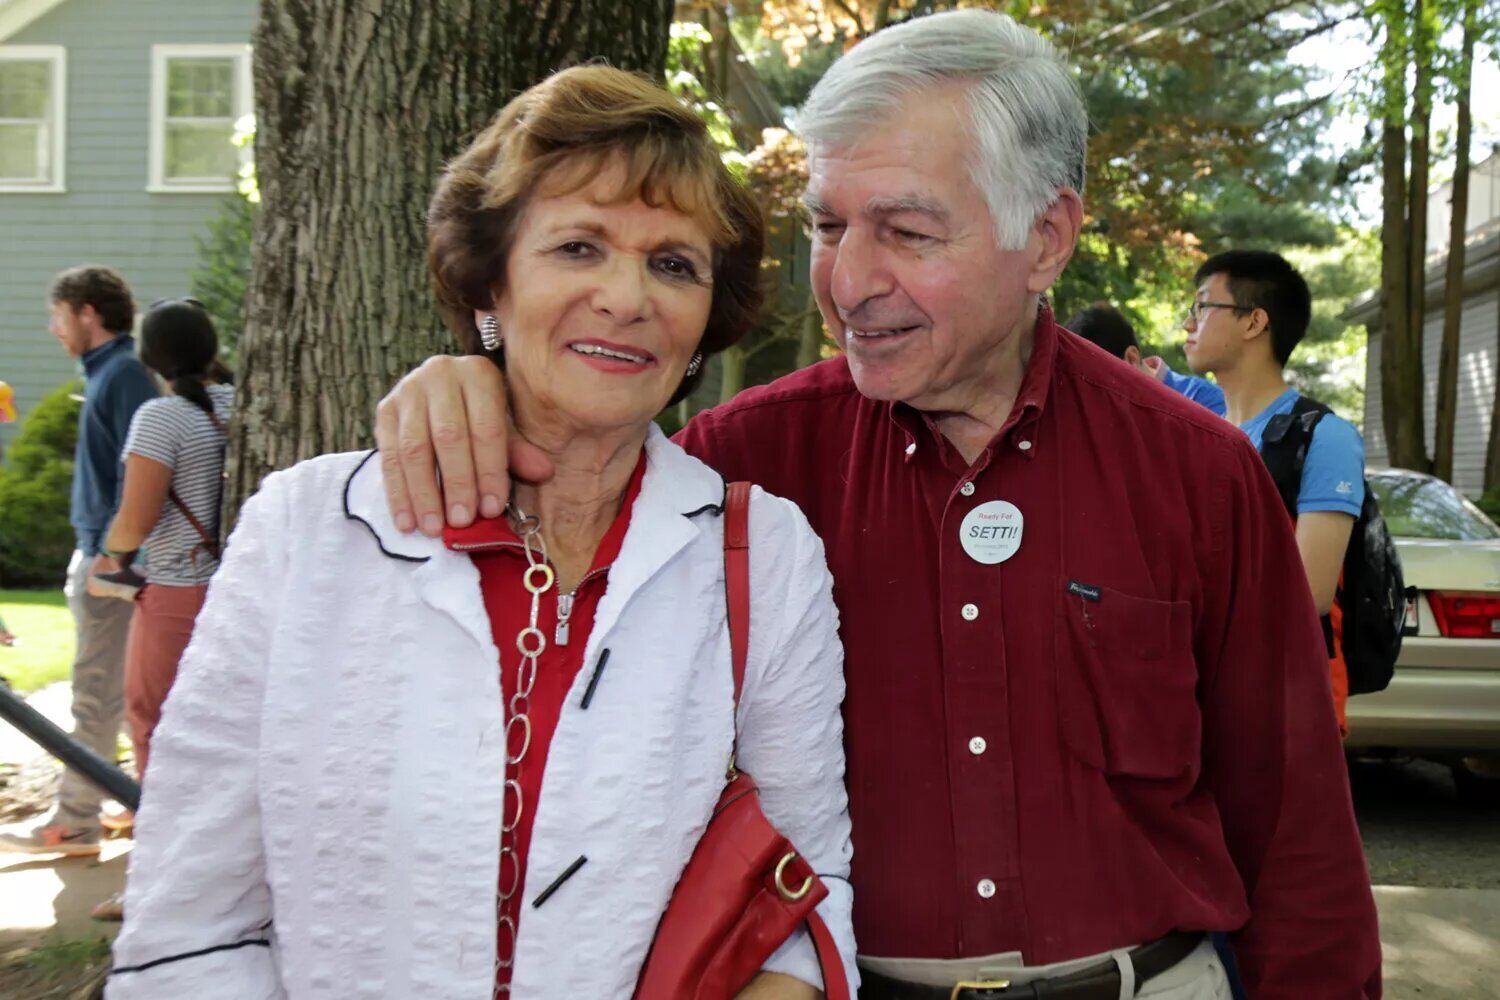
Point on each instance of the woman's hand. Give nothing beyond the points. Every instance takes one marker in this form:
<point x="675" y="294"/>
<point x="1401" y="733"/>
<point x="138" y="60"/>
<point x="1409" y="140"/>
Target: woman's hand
<point x="775" y="986"/>
<point x="449" y="418"/>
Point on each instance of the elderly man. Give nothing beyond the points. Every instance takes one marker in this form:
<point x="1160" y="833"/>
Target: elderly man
<point x="1087" y="717"/>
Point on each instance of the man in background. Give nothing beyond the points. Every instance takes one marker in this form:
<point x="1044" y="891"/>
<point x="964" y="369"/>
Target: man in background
<point x="1105" y="326"/>
<point x="92" y="316"/>
<point x="1250" y="312"/>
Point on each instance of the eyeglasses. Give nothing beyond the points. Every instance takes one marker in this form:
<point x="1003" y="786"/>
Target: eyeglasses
<point x="1196" y="310"/>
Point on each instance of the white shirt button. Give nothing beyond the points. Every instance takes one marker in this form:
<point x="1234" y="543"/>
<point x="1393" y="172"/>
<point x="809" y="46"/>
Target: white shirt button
<point x="911" y="449"/>
<point x="969" y="611"/>
<point x="977" y="746"/>
<point x="967" y="489"/>
<point x="986" y="888"/>
<point x="1024" y="445"/>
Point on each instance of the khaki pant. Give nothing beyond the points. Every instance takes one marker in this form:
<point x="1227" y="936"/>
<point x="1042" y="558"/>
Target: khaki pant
<point x="159" y="634"/>
<point x="1200" y="976"/>
<point x="102" y="624"/>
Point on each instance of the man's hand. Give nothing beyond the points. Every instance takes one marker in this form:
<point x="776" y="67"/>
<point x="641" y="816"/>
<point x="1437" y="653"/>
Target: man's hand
<point x="101" y="564"/>
<point x="449" y="418"/>
<point x="1155" y="367"/>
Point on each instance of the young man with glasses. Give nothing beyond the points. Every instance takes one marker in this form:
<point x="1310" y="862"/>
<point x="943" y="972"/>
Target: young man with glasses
<point x="1250" y="312"/>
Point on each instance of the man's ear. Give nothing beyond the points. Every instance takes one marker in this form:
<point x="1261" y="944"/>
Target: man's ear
<point x="1057" y="229"/>
<point x="1133" y="356"/>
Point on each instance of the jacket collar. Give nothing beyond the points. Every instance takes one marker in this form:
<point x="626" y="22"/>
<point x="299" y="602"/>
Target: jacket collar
<point x="94" y="359"/>
<point x="675" y="482"/>
<point x="677" y="488"/>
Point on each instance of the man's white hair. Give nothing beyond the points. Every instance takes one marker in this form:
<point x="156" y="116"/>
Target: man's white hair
<point x="1028" y="124"/>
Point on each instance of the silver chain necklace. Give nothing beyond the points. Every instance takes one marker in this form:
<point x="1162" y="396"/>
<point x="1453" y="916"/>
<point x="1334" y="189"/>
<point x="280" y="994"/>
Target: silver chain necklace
<point x="538" y="578"/>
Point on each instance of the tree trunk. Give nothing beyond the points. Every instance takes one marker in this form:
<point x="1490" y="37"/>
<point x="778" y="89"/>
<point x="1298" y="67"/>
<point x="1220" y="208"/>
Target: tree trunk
<point x="810" y="336"/>
<point x="358" y="106"/>
<point x="1492" y="453"/>
<point x="1453" y="282"/>
<point x="732" y="364"/>
<point x="1396" y="363"/>
<point x="1416" y="219"/>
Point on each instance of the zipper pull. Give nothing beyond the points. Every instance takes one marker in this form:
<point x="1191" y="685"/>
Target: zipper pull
<point x="564" y="612"/>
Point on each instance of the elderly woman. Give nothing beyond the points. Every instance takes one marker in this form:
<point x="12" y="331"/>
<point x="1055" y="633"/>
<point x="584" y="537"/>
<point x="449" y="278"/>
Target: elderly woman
<point x="398" y="766"/>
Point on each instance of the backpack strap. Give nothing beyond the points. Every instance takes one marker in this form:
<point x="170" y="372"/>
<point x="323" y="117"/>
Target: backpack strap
<point x="737" y="577"/>
<point x="1284" y="445"/>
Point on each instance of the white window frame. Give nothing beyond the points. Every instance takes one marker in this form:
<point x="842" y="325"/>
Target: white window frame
<point x="157" y="182"/>
<point x="57" y="114"/>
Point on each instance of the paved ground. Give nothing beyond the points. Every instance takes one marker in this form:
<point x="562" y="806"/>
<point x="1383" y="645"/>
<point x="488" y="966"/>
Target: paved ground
<point x="1434" y="858"/>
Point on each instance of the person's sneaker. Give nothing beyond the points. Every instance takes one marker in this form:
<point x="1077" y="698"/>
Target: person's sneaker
<point x="118" y="820"/>
<point x="52" y="838"/>
<point x="112" y="908"/>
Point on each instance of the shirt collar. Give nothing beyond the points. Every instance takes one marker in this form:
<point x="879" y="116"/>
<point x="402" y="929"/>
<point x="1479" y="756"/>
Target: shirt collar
<point x="93" y="358"/>
<point x="1031" y="399"/>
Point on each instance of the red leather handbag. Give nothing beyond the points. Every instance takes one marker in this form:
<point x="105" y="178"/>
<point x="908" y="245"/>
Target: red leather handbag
<point x="745" y="889"/>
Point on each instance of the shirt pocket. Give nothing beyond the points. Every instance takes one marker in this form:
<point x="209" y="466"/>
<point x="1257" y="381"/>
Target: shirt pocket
<point x="1127" y="681"/>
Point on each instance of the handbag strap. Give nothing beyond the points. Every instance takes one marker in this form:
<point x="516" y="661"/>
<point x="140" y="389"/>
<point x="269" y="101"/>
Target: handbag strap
<point x="737" y="577"/>
<point x="835" y="979"/>
<point x="737" y="592"/>
<point x="210" y="543"/>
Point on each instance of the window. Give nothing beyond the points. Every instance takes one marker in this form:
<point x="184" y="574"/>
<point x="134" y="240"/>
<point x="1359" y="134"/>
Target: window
<point x="1419" y="507"/>
<point x="198" y="92"/>
<point x="31" y="117"/>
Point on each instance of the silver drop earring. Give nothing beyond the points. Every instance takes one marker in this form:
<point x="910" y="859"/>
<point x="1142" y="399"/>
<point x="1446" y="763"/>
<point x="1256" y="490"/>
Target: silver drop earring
<point x="489" y="334"/>
<point x="694" y="363"/>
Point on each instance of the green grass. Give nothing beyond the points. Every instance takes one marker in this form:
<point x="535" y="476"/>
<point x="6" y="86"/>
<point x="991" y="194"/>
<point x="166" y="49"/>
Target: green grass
<point x="43" y="628"/>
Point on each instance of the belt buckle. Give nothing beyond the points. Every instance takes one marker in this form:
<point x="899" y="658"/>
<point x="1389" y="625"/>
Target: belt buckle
<point x="994" y="985"/>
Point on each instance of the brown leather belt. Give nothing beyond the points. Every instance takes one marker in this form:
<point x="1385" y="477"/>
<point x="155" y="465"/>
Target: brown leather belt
<point x="1100" y="981"/>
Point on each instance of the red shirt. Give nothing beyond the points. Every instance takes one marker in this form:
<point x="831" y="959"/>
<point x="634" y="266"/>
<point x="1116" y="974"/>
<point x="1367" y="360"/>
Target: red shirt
<point x="1123" y="729"/>
<point x="500" y="557"/>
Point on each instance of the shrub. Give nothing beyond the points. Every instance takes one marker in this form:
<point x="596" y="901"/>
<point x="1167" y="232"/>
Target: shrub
<point x="36" y="537"/>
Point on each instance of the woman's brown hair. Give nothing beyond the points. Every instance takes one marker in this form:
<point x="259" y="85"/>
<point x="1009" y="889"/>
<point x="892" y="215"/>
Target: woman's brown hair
<point x="555" y="139"/>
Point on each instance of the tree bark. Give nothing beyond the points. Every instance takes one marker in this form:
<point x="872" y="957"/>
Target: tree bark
<point x="1415" y="379"/>
<point x="1396" y="363"/>
<point x="810" y="335"/>
<point x="358" y="106"/>
<point x="1453" y="282"/>
<point x="1492" y="453"/>
<point x="732" y="364"/>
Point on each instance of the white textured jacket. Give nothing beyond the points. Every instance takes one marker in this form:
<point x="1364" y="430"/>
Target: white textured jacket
<point x="322" y="817"/>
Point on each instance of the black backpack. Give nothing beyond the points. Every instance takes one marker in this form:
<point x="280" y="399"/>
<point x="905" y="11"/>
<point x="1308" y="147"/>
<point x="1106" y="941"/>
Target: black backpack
<point x="1372" y="592"/>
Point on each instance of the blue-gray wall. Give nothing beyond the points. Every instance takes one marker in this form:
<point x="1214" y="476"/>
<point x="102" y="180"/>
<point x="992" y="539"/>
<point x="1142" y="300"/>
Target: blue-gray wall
<point x="106" y="215"/>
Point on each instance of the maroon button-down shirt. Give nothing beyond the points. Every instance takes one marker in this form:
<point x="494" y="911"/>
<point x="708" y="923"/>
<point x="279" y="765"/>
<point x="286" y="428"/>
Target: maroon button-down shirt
<point x="1123" y="729"/>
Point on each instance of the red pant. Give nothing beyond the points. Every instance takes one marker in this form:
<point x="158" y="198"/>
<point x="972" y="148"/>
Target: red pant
<point x="159" y="633"/>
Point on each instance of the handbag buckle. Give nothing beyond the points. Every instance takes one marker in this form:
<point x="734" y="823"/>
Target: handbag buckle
<point x="995" y="985"/>
<point x="790" y="895"/>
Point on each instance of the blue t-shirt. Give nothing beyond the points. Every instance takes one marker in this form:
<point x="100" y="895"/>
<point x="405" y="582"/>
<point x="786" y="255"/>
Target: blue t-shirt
<point x="1199" y="390"/>
<point x="1333" y="476"/>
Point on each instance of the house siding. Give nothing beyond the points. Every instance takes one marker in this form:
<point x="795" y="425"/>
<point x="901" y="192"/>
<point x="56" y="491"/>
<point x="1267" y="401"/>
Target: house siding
<point x="1478" y="340"/>
<point x="106" y="215"/>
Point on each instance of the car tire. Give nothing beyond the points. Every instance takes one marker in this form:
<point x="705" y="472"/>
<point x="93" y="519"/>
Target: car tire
<point x="1476" y="784"/>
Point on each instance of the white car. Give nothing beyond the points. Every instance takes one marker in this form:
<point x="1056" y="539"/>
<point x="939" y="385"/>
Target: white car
<point x="1444" y="701"/>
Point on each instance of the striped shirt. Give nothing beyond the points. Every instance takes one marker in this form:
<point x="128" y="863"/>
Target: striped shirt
<point x="179" y="435"/>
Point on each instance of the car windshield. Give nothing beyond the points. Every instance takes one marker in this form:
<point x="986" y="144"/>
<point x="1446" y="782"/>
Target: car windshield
<point x="1417" y="507"/>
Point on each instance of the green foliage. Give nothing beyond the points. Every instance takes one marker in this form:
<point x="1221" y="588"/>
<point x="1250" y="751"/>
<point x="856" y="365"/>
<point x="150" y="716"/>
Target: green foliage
<point x="1490" y="503"/>
<point x="1329" y="364"/>
<point x="223" y="272"/>
<point x="685" y="73"/>
<point x="36" y="537"/>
